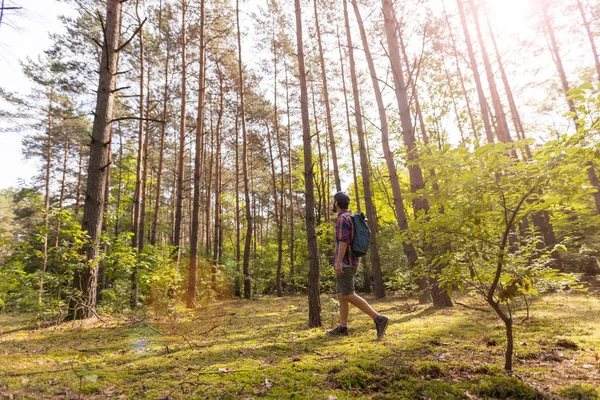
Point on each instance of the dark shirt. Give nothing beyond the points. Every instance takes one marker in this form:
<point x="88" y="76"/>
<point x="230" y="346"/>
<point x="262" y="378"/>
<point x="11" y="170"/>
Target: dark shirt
<point x="344" y="232"/>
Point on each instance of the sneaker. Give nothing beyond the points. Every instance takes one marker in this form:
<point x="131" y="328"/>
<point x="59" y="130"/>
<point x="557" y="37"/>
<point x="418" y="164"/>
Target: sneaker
<point x="339" y="331"/>
<point x="381" y="323"/>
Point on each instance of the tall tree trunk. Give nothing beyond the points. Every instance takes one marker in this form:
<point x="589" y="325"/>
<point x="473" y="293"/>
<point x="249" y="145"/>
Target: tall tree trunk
<point x="193" y="265"/>
<point x="238" y="289"/>
<point x="387" y="152"/>
<point x="501" y="124"/>
<point x="290" y="180"/>
<point x="440" y="297"/>
<point x="79" y="175"/>
<point x="209" y="182"/>
<point x="338" y="184"/>
<point x="83" y="303"/>
<point x="137" y="196"/>
<point x="119" y="185"/>
<point x="591" y="170"/>
<point x="364" y="164"/>
<point x="350" y="140"/>
<point x="321" y="189"/>
<point x="177" y="242"/>
<point x="588" y="30"/>
<point x="279" y="212"/>
<point x="482" y="101"/>
<point x="247" y="245"/>
<point x="163" y="132"/>
<point x="314" y="283"/>
<point x="144" y="187"/>
<point x="62" y="186"/>
<point x="218" y="185"/>
<point x="275" y="208"/>
<point x="46" y="197"/>
<point x="461" y="79"/>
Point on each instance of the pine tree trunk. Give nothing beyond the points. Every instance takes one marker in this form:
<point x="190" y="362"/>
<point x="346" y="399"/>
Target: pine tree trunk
<point x="62" y="187"/>
<point x="218" y="186"/>
<point x="177" y="229"/>
<point x="314" y="283"/>
<point x="290" y="181"/>
<point x="439" y="296"/>
<point x="338" y="184"/>
<point x="501" y="124"/>
<point x="46" y="197"/>
<point x="364" y="163"/>
<point x="85" y="280"/>
<point x="193" y="265"/>
<point x="163" y="132"/>
<point x="592" y="176"/>
<point x="238" y="286"/>
<point x="79" y="175"/>
<point x="279" y="211"/>
<point x="588" y="30"/>
<point x="248" y="242"/>
<point x="482" y="101"/>
<point x="350" y="140"/>
<point x="321" y="207"/>
<point x="119" y="186"/>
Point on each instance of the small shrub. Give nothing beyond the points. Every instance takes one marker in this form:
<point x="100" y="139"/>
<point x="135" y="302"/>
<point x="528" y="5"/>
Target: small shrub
<point x="580" y="392"/>
<point x="567" y="344"/>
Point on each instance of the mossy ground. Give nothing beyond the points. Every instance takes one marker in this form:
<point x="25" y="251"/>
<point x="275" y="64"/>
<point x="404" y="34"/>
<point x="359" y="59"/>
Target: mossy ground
<point x="263" y="348"/>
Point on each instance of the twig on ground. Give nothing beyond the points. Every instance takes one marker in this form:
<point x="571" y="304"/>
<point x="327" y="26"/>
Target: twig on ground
<point x="11" y="374"/>
<point x="471" y="307"/>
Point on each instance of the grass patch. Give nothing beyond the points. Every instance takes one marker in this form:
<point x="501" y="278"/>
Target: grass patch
<point x="236" y="349"/>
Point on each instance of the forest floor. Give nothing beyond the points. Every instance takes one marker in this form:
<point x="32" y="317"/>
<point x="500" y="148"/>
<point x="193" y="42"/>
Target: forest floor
<point x="236" y="349"/>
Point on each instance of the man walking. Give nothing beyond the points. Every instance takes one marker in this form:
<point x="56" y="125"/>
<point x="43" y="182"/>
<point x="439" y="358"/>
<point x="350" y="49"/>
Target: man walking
<point x="346" y="265"/>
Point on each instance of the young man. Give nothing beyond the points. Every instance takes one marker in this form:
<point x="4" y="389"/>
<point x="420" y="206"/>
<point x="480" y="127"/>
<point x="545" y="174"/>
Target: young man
<point x="346" y="264"/>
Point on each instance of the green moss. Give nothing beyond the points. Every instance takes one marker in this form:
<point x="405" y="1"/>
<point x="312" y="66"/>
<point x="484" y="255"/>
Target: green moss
<point x="580" y="392"/>
<point x="504" y="387"/>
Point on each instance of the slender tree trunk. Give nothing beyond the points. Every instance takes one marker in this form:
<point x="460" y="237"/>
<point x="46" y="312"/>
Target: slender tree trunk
<point x="364" y="164"/>
<point x="588" y="30"/>
<point x="238" y="289"/>
<point x="163" y="132"/>
<point x="247" y="245"/>
<point x="290" y="180"/>
<point x="321" y="189"/>
<point x="209" y="182"/>
<point x="177" y="242"/>
<point x="119" y="185"/>
<point x="314" y="284"/>
<point x="350" y="140"/>
<point x="387" y="152"/>
<point x="144" y="187"/>
<point x="279" y="212"/>
<point x="218" y="185"/>
<point x="591" y="170"/>
<point x="62" y="186"/>
<point x="482" y="101"/>
<point x="338" y="184"/>
<point x="83" y="304"/>
<point x="417" y="183"/>
<point x="275" y="208"/>
<point x="79" y="175"/>
<point x="137" y="196"/>
<point x="193" y="265"/>
<point x="46" y="197"/>
<point x="501" y="124"/>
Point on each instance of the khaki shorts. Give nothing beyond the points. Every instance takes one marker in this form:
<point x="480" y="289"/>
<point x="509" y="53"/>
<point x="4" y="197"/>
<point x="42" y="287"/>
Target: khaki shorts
<point x="345" y="284"/>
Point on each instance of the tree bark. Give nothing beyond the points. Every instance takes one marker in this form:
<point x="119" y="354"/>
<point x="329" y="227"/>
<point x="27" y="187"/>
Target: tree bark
<point x="590" y="35"/>
<point x="290" y="181"/>
<point x="314" y="283"/>
<point x="49" y="143"/>
<point x="193" y="265"/>
<point x="350" y="140"/>
<point x="364" y="163"/>
<point x="248" y="242"/>
<point x="218" y="185"/>
<point x="83" y="303"/>
<point x="336" y="172"/>
<point x="182" y="130"/>
<point x="591" y="170"/>
<point x="482" y="101"/>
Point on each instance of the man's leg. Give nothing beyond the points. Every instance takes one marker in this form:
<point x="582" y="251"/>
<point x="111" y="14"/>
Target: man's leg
<point x="358" y="302"/>
<point x="344" y="309"/>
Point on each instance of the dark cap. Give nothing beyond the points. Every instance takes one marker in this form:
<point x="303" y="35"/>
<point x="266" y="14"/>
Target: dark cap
<point x="342" y="197"/>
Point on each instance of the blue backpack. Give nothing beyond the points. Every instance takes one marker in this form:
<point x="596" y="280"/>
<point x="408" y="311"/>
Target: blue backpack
<point x="362" y="235"/>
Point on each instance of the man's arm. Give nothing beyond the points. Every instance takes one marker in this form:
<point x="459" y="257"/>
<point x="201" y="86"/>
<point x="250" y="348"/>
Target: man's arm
<point x="340" y="256"/>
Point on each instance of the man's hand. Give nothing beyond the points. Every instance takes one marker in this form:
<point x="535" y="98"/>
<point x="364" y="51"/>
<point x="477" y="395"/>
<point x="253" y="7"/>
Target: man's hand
<point x="339" y="271"/>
